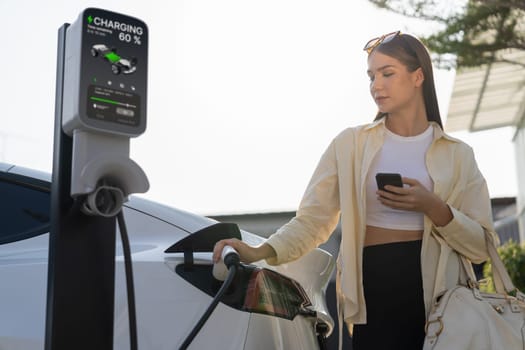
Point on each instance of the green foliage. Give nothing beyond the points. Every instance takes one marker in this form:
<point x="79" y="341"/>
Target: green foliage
<point x="513" y="256"/>
<point x="474" y="34"/>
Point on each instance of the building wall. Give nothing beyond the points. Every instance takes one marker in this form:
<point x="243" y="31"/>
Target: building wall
<point x="519" y="142"/>
<point x="504" y="216"/>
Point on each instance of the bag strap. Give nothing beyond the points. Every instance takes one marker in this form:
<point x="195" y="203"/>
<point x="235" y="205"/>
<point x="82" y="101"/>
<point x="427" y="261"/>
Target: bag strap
<point x="440" y="284"/>
<point x="502" y="281"/>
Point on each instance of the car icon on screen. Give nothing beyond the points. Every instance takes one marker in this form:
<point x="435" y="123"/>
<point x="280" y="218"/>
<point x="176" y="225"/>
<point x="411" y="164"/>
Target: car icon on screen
<point x="118" y="64"/>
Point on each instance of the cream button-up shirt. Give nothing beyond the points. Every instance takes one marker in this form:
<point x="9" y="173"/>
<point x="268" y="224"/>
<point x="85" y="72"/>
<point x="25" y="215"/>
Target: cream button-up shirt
<point x="337" y="192"/>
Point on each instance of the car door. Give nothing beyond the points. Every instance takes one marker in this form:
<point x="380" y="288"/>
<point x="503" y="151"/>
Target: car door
<point x="24" y="227"/>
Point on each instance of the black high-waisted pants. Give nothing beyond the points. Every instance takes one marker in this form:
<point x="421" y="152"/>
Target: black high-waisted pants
<point x="394" y="298"/>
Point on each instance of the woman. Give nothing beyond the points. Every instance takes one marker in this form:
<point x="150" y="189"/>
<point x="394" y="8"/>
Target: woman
<point x="389" y="257"/>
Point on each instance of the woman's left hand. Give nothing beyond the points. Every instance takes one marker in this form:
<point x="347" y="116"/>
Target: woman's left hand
<point x="416" y="197"/>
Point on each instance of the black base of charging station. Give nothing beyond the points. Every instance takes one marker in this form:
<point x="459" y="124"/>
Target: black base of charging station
<point x="81" y="272"/>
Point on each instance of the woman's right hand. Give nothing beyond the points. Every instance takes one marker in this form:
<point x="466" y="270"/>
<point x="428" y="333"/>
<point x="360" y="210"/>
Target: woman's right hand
<point x="247" y="253"/>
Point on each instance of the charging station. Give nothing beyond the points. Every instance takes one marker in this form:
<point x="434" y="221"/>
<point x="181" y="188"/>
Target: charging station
<point x="101" y="99"/>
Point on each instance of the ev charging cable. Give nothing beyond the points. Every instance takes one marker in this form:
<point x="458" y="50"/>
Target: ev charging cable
<point x="132" y="316"/>
<point x="107" y="201"/>
<point x="229" y="260"/>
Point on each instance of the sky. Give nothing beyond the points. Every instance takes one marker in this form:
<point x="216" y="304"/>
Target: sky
<point x="243" y="95"/>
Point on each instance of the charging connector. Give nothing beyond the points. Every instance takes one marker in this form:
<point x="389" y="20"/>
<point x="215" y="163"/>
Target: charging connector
<point x="229" y="257"/>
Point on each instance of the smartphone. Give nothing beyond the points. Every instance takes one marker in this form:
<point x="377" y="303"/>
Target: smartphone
<point x="384" y="179"/>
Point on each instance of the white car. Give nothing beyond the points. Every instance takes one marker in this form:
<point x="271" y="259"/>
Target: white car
<point x="288" y="313"/>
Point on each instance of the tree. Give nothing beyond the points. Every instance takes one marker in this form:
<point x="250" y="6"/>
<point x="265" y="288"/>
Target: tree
<point x="475" y="34"/>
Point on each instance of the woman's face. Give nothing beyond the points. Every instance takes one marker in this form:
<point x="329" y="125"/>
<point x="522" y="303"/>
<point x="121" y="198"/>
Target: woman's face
<point x="393" y="88"/>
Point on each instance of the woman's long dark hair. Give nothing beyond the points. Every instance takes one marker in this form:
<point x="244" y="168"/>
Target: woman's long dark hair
<point x="413" y="54"/>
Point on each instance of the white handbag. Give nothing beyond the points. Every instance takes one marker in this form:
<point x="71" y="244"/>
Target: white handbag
<point x="463" y="318"/>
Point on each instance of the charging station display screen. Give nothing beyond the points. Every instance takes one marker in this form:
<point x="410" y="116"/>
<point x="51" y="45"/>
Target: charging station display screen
<point x="114" y="70"/>
<point x="113" y="105"/>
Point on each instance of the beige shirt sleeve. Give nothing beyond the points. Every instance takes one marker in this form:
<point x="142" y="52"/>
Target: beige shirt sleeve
<point x="472" y="213"/>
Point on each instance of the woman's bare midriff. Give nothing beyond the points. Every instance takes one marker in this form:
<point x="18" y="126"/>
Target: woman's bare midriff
<point x="380" y="235"/>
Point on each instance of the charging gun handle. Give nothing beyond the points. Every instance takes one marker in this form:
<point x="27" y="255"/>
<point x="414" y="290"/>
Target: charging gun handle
<point x="229" y="256"/>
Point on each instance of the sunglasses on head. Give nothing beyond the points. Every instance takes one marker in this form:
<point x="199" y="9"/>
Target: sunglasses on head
<point x="375" y="42"/>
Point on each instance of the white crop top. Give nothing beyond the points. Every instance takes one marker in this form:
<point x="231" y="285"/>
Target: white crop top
<point x="406" y="156"/>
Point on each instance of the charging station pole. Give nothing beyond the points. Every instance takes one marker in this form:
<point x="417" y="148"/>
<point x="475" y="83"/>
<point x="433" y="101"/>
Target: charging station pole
<point x="92" y="175"/>
<point x="81" y="270"/>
